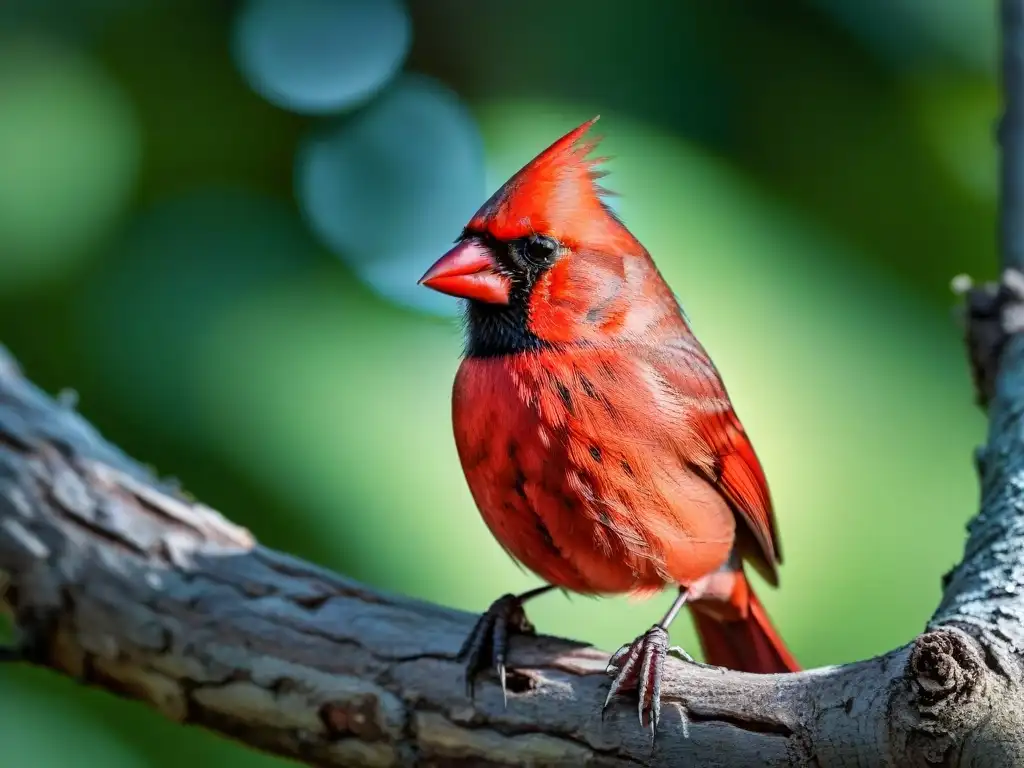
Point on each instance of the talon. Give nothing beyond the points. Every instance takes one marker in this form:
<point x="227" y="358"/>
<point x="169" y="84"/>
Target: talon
<point x="487" y="643"/>
<point x="504" y="687"/>
<point x="639" y="666"/>
<point x="614" y="663"/>
<point x="470" y="651"/>
<point x="625" y="675"/>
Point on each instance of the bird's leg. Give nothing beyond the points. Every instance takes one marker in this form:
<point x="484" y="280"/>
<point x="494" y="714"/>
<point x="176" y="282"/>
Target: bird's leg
<point x="487" y="645"/>
<point x="639" y="665"/>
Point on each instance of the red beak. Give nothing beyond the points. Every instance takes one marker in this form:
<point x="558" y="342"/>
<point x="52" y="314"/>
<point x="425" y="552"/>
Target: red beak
<point x="469" y="271"/>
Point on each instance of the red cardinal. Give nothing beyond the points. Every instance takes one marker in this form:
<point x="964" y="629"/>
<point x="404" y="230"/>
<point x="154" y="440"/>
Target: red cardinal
<point x="595" y="433"/>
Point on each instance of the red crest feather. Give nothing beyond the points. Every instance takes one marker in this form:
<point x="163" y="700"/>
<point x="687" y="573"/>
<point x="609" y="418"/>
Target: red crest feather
<point x="555" y="194"/>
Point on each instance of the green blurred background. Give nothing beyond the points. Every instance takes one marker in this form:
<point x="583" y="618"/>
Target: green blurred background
<point x="213" y="215"/>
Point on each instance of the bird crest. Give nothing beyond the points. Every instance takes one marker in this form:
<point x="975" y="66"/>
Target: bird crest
<point x="555" y="194"/>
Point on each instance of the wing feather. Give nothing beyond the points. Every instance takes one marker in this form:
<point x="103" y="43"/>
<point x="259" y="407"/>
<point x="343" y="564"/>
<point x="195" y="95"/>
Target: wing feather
<point x="729" y="460"/>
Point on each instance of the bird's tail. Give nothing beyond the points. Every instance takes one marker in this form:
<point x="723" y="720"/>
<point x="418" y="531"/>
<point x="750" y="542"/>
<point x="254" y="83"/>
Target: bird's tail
<point x="738" y="634"/>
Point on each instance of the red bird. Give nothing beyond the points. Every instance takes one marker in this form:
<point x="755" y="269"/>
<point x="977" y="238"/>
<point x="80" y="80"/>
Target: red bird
<point x="595" y="433"/>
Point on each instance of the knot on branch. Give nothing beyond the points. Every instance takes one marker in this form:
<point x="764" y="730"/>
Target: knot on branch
<point x="992" y="314"/>
<point x="943" y="682"/>
<point x="944" y="670"/>
<point x="358" y="717"/>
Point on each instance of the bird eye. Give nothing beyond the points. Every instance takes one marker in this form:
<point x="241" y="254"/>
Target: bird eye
<point x="539" y="249"/>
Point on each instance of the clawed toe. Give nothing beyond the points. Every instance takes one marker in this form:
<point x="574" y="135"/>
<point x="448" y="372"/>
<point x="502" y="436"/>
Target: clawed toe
<point x="487" y="644"/>
<point x="615" y="662"/>
<point x="639" y="666"/>
<point x="678" y="652"/>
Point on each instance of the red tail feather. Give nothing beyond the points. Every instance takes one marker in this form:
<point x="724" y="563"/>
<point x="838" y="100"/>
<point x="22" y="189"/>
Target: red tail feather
<point x="748" y="644"/>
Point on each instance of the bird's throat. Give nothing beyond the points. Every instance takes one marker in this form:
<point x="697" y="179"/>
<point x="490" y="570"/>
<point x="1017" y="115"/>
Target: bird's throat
<point x="494" y="330"/>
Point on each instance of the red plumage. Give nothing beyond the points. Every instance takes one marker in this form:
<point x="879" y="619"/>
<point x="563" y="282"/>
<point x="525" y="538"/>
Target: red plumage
<point x="596" y="436"/>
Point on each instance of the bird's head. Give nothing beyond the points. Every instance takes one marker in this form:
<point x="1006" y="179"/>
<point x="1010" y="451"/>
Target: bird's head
<point x="539" y="252"/>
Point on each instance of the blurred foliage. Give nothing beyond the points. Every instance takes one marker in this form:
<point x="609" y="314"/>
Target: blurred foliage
<point x="213" y="216"/>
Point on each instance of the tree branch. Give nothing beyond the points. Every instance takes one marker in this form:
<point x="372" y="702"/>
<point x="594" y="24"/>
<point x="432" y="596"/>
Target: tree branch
<point x="1011" y="136"/>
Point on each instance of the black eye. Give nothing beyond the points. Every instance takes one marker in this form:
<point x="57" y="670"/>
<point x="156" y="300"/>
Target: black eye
<point x="540" y="249"/>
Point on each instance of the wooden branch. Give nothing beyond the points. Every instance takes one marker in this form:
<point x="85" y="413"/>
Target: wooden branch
<point x="1011" y="136"/>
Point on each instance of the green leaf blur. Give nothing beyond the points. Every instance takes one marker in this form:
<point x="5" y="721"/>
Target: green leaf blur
<point x="808" y="181"/>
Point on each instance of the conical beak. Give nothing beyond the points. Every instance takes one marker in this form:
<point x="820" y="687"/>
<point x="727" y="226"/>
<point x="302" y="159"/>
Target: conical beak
<point x="469" y="271"/>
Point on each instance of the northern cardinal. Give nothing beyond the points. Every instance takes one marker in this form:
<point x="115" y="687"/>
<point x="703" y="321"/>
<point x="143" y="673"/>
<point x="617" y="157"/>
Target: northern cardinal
<point x="594" y="431"/>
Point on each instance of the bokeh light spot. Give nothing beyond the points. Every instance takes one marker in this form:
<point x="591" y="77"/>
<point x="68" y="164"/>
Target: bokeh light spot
<point x="69" y="150"/>
<point x="392" y="188"/>
<point x="317" y="56"/>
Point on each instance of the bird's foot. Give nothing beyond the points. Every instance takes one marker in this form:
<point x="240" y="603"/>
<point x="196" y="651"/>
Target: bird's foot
<point x="639" y="666"/>
<point x="487" y="645"/>
<point x="682" y="655"/>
